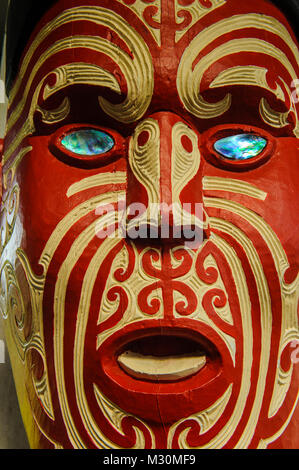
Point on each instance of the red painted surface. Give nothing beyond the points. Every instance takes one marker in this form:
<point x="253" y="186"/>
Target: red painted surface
<point x="44" y="177"/>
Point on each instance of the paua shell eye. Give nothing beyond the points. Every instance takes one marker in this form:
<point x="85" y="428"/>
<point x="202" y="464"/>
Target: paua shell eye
<point x="240" y="146"/>
<point x="88" y="142"/>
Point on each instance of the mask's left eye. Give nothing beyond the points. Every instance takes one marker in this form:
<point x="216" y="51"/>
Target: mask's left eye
<point x="86" y="146"/>
<point x="237" y="147"/>
<point x="88" y="142"/>
<point x="240" y="146"/>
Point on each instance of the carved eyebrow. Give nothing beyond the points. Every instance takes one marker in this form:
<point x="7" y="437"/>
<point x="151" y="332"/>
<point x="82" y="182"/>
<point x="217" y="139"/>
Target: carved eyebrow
<point x="256" y="76"/>
<point x="189" y="76"/>
<point x="136" y="68"/>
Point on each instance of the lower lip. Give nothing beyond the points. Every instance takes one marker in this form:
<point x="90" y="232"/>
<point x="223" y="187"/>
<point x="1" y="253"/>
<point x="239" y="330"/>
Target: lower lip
<point x="151" y="400"/>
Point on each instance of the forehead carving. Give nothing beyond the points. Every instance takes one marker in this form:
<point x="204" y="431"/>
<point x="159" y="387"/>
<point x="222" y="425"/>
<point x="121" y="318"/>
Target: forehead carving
<point x="178" y="48"/>
<point x="246" y="70"/>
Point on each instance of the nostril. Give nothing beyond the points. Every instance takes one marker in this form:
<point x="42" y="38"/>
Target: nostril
<point x="187" y="143"/>
<point x="143" y="138"/>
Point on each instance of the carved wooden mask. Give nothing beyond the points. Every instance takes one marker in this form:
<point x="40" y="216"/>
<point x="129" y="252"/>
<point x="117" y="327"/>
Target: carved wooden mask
<point x="124" y="113"/>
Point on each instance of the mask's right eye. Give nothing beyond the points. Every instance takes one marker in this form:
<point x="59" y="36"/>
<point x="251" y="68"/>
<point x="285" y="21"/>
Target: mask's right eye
<point x="87" y="146"/>
<point x="88" y="142"/>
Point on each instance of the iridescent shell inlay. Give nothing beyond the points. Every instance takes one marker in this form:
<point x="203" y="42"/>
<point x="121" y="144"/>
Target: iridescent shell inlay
<point x="88" y="142"/>
<point x="240" y="146"/>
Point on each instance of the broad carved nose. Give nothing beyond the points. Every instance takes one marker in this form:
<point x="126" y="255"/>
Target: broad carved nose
<point x="164" y="192"/>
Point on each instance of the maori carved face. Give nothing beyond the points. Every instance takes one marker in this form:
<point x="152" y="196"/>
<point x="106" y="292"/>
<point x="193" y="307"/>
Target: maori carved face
<point x="120" y="336"/>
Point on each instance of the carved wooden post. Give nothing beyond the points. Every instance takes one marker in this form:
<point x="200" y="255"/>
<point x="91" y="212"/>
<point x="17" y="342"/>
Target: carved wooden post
<point x="121" y="113"/>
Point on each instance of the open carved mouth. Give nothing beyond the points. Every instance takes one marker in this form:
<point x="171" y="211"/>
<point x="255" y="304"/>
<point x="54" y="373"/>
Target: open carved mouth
<point x="162" y="358"/>
<point x="157" y="370"/>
